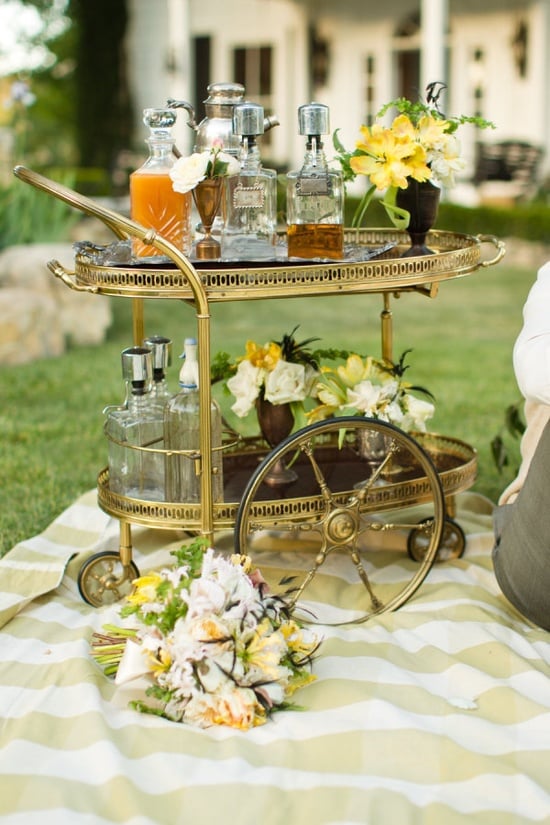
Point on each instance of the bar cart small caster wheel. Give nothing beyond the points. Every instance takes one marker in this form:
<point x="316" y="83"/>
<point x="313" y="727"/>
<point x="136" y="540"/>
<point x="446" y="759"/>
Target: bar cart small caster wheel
<point x="103" y="579"/>
<point x="451" y="545"/>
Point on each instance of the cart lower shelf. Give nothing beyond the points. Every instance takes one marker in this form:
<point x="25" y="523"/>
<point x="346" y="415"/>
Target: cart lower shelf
<point x="454" y="460"/>
<point x="349" y="486"/>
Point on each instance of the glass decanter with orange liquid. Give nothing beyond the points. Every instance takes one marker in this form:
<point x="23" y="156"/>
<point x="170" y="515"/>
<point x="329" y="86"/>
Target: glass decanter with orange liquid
<point x="315" y="195"/>
<point x="153" y="202"/>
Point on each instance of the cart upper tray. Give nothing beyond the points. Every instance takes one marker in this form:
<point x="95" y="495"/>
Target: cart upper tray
<point x="454" y="255"/>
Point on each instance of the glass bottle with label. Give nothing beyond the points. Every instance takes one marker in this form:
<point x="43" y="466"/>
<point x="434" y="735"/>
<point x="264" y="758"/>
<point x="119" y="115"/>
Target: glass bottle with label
<point x="249" y="231"/>
<point x="161" y="354"/>
<point x="135" y="472"/>
<point x="153" y="202"/>
<point x="315" y="194"/>
<point x="182" y="432"/>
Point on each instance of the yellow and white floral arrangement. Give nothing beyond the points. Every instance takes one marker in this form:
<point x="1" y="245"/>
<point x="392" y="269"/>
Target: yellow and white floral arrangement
<point x="420" y="144"/>
<point x="216" y="647"/>
<point x="373" y="388"/>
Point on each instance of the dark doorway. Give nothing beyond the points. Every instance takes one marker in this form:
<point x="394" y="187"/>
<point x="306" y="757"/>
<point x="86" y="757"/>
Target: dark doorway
<point x="201" y="74"/>
<point x="408" y="74"/>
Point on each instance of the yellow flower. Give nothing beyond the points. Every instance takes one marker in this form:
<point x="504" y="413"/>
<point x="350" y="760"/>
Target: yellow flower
<point x="209" y="629"/>
<point x="238" y="709"/>
<point x="391" y="155"/>
<point x="241" y="560"/>
<point x="431" y="130"/>
<point x="299" y="680"/>
<point x="296" y="639"/>
<point x="265" y="650"/>
<point x="403" y="129"/>
<point x="145" y="589"/>
<point x="323" y="411"/>
<point x="263" y="357"/>
<point x="160" y="661"/>
<point x="354" y="371"/>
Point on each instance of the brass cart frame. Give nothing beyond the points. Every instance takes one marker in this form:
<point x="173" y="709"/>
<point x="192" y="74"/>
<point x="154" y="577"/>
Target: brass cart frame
<point x="456" y="255"/>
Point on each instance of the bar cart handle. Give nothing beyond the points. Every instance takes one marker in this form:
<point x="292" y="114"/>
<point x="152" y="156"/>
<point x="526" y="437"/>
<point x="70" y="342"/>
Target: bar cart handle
<point x="498" y="244"/>
<point x="68" y="277"/>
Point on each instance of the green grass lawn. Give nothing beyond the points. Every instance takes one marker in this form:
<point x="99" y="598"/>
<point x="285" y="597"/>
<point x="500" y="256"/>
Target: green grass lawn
<point x="51" y="413"/>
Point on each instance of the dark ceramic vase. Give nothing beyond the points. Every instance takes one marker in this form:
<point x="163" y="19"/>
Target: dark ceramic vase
<point x="421" y="200"/>
<point x="276" y="422"/>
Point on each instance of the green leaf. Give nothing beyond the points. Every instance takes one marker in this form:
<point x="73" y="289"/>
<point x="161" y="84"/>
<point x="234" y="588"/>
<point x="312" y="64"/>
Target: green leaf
<point x="398" y="216"/>
<point x="514" y="421"/>
<point x="499" y="453"/>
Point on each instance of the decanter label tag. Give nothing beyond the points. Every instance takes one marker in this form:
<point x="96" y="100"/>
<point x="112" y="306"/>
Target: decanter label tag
<point x="313" y="186"/>
<point x="249" y="197"/>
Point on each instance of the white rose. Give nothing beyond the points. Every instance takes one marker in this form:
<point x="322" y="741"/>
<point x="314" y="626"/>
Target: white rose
<point x="286" y="383"/>
<point x="187" y="172"/>
<point x="245" y="386"/>
<point x="233" y="163"/>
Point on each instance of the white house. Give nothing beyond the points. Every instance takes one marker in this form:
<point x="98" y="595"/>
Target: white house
<point x="353" y="55"/>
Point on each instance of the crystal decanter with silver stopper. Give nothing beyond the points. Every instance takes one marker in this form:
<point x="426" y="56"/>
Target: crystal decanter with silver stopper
<point x="315" y="194"/>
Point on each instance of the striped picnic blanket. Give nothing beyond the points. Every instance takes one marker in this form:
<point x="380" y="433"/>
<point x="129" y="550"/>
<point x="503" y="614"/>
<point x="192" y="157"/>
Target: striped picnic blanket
<point x="436" y="713"/>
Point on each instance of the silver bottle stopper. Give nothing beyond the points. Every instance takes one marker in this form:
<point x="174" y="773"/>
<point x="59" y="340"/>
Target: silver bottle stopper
<point x="248" y="119"/>
<point x="313" y="119"/>
<point x="161" y="351"/>
<point x="137" y="365"/>
<point x="160" y="121"/>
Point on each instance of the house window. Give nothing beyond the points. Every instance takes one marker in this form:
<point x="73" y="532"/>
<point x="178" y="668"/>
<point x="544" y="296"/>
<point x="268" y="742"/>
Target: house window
<point x="369" y="96"/>
<point x="253" y="67"/>
<point x="407" y="57"/>
<point x="477" y="75"/>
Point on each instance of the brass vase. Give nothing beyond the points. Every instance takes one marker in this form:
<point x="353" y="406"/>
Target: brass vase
<point x="276" y="422"/>
<point x="421" y="200"/>
<point x="207" y="196"/>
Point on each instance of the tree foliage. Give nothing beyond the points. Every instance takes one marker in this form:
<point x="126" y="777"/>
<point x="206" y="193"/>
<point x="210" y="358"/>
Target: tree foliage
<point x="82" y="115"/>
<point x="103" y="108"/>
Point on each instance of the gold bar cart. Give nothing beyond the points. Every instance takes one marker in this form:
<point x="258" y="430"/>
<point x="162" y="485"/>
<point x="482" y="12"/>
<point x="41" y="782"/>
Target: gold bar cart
<point x="342" y="501"/>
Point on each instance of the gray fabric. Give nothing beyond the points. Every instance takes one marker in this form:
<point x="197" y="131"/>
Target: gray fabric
<point x="521" y="556"/>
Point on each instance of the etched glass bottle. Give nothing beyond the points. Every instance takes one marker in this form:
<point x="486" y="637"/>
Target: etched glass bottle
<point x="182" y="432"/>
<point x="153" y="202"/>
<point x="133" y="471"/>
<point x="161" y="356"/>
<point x="249" y="231"/>
<point x="315" y="194"/>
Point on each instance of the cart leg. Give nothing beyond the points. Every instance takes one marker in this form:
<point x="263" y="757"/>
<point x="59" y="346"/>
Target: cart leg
<point x="386" y="324"/>
<point x="138" y="326"/>
<point x="450" y="505"/>
<point x="125" y="543"/>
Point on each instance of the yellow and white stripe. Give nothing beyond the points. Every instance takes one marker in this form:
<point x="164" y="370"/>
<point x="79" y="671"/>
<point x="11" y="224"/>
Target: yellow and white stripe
<point x="436" y="714"/>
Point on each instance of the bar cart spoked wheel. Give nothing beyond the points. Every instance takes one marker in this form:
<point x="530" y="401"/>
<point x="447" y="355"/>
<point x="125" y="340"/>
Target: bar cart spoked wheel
<point x="359" y="485"/>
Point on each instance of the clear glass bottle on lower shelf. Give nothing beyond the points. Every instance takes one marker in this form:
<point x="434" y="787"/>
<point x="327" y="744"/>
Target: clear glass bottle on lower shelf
<point x="161" y="353"/>
<point x="182" y="432"/>
<point x="135" y="433"/>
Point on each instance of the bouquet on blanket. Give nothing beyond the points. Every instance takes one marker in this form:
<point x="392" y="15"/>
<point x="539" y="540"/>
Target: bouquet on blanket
<point x="218" y="648"/>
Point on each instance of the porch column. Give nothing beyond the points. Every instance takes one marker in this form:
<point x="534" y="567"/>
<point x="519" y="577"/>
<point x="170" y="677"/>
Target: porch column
<point x="433" y="18"/>
<point x="178" y="66"/>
